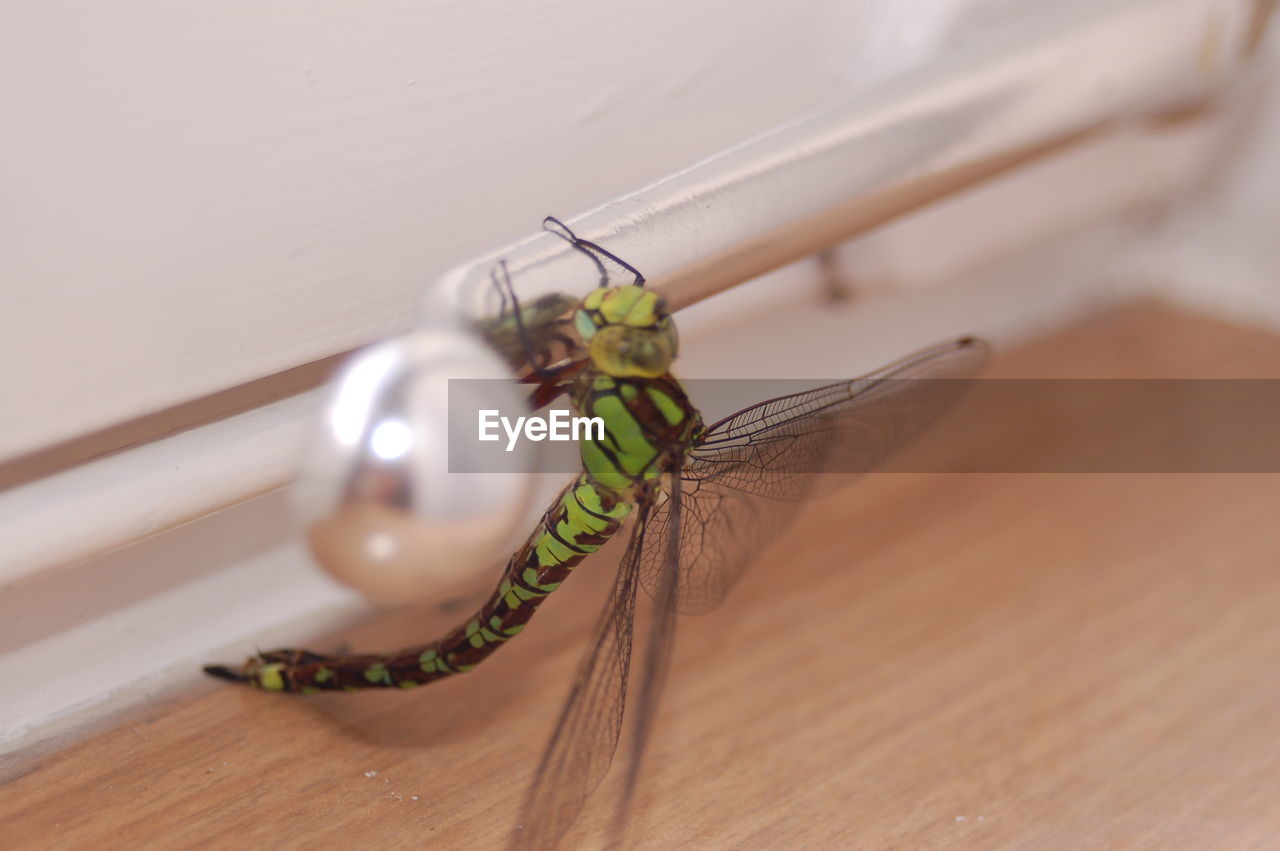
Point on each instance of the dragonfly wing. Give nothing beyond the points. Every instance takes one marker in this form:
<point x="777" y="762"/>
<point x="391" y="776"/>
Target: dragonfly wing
<point x="744" y="480"/>
<point x="657" y="656"/>
<point x="586" y="734"/>
<point x="721" y="530"/>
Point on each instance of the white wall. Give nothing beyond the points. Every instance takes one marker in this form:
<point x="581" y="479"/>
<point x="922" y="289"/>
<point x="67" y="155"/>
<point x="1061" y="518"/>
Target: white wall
<point x="197" y="194"/>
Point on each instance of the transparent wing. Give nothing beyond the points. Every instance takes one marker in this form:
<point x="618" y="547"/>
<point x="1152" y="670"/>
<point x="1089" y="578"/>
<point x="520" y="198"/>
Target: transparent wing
<point x="744" y="480"/>
<point x="586" y="734"/>
<point x="662" y="636"/>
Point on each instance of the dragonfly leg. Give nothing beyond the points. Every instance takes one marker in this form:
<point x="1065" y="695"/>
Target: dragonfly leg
<point x="552" y="384"/>
<point x="525" y="343"/>
<point x="595" y="252"/>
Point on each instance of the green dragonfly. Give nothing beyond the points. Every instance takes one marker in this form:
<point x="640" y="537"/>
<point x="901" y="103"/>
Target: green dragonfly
<point x="704" y="501"/>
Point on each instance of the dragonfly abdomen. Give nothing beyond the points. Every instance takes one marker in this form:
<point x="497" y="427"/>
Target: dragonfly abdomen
<point x="578" y="523"/>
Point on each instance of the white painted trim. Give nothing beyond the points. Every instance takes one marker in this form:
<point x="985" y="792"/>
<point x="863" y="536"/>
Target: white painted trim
<point x="124" y="497"/>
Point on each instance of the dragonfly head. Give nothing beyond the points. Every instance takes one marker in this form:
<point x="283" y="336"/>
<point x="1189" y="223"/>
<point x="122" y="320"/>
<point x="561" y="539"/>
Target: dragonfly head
<point x="628" y="331"/>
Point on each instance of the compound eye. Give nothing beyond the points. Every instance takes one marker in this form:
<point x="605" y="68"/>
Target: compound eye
<point x="667" y="329"/>
<point x="622" y="351"/>
<point x="648" y="356"/>
<point x="584" y="325"/>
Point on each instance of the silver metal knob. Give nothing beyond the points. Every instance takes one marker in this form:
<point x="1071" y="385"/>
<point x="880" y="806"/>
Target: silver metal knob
<point x="385" y="510"/>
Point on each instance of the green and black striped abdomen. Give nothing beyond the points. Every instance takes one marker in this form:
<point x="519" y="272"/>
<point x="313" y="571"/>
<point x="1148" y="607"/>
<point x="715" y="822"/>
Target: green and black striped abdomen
<point x="578" y="523"/>
<point x="648" y="423"/>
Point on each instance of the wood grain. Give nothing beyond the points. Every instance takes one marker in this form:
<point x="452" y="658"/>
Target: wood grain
<point x="927" y="661"/>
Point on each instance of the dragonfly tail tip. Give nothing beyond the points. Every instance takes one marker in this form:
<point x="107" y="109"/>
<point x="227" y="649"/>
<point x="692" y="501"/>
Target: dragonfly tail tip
<point x="224" y="673"/>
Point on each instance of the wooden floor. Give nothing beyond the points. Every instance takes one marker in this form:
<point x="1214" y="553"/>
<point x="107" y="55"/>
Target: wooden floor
<point x="969" y="661"/>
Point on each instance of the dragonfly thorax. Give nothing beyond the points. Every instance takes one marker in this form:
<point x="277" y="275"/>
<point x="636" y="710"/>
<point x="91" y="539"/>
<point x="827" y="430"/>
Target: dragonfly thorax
<point x="628" y="332"/>
<point x="649" y="424"/>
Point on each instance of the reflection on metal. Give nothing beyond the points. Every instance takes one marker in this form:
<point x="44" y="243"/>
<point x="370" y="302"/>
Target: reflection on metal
<point x="382" y="510"/>
<point x="1046" y="79"/>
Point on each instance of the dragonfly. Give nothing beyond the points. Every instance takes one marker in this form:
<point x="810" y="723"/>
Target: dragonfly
<point x="698" y="503"/>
